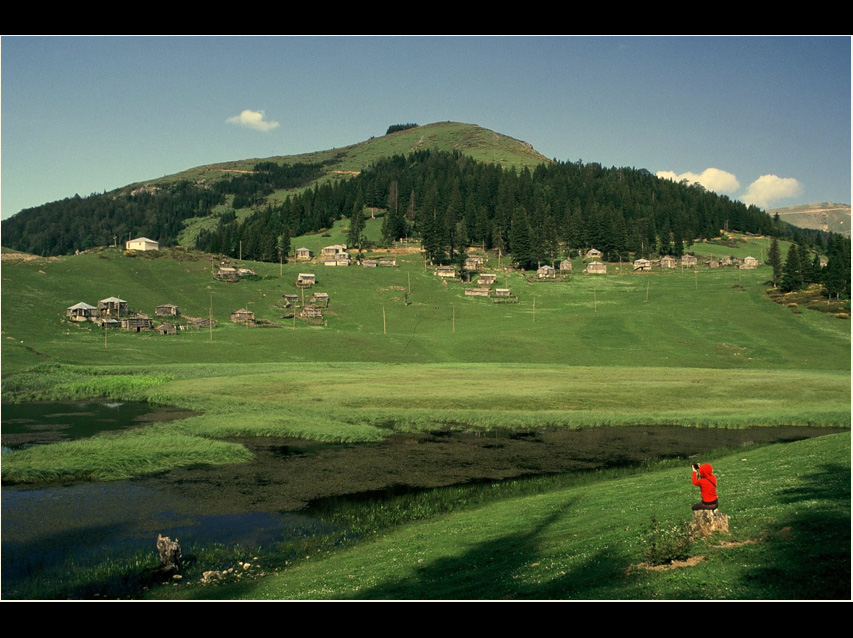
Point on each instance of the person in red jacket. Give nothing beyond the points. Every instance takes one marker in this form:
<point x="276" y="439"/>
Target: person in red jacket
<point x="707" y="483"/>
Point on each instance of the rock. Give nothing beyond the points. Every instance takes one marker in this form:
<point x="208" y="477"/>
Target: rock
<point x="707" y="522"/>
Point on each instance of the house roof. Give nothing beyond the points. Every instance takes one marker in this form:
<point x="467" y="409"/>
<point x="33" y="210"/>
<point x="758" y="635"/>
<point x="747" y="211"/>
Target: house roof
<point x="81" y="306"/>
<point x="153" y="241"/>
<point x="112" y="300"/>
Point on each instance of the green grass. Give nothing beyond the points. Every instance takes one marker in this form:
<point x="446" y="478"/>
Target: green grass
<point x="789" y="507"/>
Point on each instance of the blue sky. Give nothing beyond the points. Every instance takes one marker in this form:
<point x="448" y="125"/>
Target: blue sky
<point x="764" y="120"/>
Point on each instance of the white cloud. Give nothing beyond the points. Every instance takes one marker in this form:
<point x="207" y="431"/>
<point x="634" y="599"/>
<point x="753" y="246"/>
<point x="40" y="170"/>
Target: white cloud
<point x="713" y="179"/>
<point x="253" y="119"/>
<point x="768" y="189"/>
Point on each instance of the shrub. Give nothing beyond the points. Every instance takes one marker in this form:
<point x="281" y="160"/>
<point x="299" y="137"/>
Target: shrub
<point x="664" y="544"/>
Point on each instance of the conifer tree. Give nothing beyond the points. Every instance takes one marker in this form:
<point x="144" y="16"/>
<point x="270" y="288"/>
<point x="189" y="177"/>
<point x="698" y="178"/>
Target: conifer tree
<point x="774" y="258"/>
<point x="792" y="277"/>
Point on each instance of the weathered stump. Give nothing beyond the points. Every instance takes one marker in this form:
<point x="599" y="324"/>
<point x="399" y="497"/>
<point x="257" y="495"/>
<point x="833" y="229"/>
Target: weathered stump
<point x="170" y="553"/>
<point x="707" y="522"/>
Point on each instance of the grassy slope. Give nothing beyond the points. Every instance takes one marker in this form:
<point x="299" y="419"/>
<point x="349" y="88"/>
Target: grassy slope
<point x="706" y="348"/>
<point x="821" y="216"/>
<point x="789" y="507"/>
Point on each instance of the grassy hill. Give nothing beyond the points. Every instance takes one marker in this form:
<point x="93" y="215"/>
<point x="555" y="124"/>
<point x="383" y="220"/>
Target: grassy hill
<point x="819" y="216"/>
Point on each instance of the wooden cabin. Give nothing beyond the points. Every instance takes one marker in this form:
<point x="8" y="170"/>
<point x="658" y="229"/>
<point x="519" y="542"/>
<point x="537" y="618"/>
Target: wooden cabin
<point x="689" y="260"/>
<point x="331" y="251"/>
<point x="447" y="272"/>
<point x="546" y="272"/>
<point x="667" y="261"/>
<point x="243" y="316"/>
<point x="81" y="312"/>
<point x="291" y="300"/>
<point x="369" y="263"/>
<point x="321" y="299"/>
<point x="487" y="279"/>
<point x="167" y="310"/>
<point x="474" y="262"/>
<point x="112" y="306"/>
<point x="387" y="261"/>
<point x="312" y="312"/>
<point x="477" y="292"/>
<point x="202" y="322"/>
<point x="304" y="254"/>
<point x="593" y="253"/>
<point x="137" y="323"/>
<point x="749" y="263"/>
<point x="596" y="268"/>
<point x="566" y="265"/>
<point x="502" y="292"/>
<point x="642" y="264"/>
<point x="305" y="280"/>
<point x="167" y="329"/>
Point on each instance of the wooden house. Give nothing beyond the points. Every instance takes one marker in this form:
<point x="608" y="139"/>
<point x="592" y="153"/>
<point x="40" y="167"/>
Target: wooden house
<point x="667" y="261"/>
<point x="487" y="279"/>
<point x="243" y="316"/>
<point x="108" y="322"/>
<point x="81" y="312"/>
<point x="226" y="273"/>
<point x="477" y="292"/>
<point x="749" y="263"/>
<point x="167" y="329"/>
<point x="291" y="300"/>
<point x="304" y="254"/>
<point x="321" y="299"/>
<point x="388" y="261"/>
<point x="474" y="262"/>
<point x="305" y="280"/>
<point x="546" y="272"/>
<point x="369" y="263"/>
<point x="137" y="323"/>
<point x="688" y="260"/>
<point x="566" y="265"/>
<point x="141" y="243"/>
<point x="338" y="259"/>
<point x="502" y="292"/>
<point x="642" y="264"/>
<point x="593" y="253"/>
<point x="167" y="310"/>
<point x="596" y="268"/>
<point x="446" y="272"/>
<point x="202" y="322"/>
<point x="726" y="261"/>
<point x="312" y="312"/>
<point x="112" y="306"/>
<point x="714" y="263"/>
<point x="331" y="251"/>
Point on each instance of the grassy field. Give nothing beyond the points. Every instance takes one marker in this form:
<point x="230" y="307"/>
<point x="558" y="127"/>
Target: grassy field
<point x="789" y="507"/>
<point x="402" y="350"/>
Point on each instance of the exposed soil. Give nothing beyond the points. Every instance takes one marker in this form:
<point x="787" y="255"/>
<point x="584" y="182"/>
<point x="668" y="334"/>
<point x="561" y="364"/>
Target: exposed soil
<point x="288" y="474"/>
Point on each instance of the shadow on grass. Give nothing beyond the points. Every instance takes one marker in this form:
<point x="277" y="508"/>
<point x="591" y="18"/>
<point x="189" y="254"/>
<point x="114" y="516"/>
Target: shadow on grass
<point x="807" y="556"/>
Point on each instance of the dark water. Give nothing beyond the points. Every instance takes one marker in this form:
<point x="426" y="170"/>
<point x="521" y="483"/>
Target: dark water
<point x="45" y="422"/>
<point x="270" y="499"/>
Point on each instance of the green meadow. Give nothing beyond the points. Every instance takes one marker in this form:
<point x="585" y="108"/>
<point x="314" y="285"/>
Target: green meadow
<point x="402" y="351"/>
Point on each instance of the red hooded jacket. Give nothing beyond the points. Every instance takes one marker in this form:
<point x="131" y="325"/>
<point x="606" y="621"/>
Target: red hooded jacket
<point x="707" y="482"/>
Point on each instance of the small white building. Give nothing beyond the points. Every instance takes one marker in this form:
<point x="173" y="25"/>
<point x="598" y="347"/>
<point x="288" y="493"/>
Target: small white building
<point x="141" y="243"/>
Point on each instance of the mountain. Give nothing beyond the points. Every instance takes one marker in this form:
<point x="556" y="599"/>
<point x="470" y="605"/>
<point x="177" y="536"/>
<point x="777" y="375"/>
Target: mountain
<point x="817" y="216"/>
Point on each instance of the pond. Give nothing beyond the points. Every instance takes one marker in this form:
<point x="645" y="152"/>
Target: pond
<point x="276" y="497"/>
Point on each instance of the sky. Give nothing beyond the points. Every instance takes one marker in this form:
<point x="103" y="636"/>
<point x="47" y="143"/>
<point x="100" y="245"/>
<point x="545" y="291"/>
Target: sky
<point x="765" y="120"/>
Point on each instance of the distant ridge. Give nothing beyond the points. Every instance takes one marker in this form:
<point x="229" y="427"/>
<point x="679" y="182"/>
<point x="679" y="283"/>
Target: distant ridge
<point x="824" y="216"/>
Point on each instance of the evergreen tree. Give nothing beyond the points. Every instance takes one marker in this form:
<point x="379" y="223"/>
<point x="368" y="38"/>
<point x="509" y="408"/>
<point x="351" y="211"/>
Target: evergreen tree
<point x="357" y="223"/>
<point x="774" y="259"/>
<point x="792" y="277"/>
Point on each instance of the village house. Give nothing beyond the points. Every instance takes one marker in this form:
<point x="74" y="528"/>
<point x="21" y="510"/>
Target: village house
<point x="486" y="279"/>
<point x="749" y="263"/>
<point x="338" y="259"/>
<point x="112" y="306"/>
<point x="305" y="280"/>
<point x="167" y="329"/>
<point x="667" y="261"/>
<point x="369" y="263"/>
<point x="688" y="260"/>
<point x="226" y="273"/>
<point x="477" y="292"/>
<point x="81" y="312"/>
<point x="312" y="312"/>
<point x="331" y="251"/>
<point x="502" y="292"/>
<point x="566" y="265"/>
<point x="593" y="253"/>
<point x="474" y="262"/>
<point x="291" y="300"/>
<point x="387" y="261"/>
<point x="304" y="254"/>
<point x="447" y="272"/>
<point x="320" y="299"/>
<point x="167" y="310"/>
<point x="642" y="264"/>
<point x="546" y="272"/>
<point x="596" y="268"/>
<point x="202" y="322"/>
<point x="137" y="323"/>
<point x="243" y="316"/>
<point x="141" y="243"/>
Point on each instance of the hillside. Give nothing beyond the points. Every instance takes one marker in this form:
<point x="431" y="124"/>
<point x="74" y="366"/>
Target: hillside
<point x="824" y="216"/>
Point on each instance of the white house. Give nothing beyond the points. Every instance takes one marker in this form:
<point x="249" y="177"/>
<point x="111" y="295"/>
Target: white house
<point x="141" y="243"/>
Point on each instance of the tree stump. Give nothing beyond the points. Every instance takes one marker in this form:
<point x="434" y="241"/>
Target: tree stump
<point x="170" y="553"/>
<point x="707" y="522"/>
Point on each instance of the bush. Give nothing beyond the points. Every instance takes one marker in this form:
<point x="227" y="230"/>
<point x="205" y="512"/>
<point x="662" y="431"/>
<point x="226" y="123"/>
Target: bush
<point x="662" y="545"/>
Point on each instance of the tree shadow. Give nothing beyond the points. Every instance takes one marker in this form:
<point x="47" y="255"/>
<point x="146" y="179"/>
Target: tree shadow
<point x="807" y="556"/>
